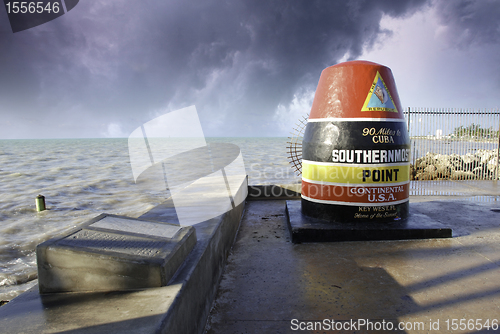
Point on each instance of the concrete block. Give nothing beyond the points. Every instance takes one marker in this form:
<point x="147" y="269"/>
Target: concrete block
<point x="113" y="253"/>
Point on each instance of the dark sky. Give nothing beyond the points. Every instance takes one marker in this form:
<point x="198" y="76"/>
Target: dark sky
<point x="250" y="67"/>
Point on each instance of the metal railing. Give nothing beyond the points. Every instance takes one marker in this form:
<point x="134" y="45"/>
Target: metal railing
<point x="454" y="144"/>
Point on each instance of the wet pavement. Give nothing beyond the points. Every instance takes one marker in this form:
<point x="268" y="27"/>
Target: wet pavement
<point x="271" y="285"/>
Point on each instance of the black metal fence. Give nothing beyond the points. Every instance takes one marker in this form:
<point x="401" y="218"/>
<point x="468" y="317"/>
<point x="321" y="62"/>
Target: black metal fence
<point x="454" y="144"/>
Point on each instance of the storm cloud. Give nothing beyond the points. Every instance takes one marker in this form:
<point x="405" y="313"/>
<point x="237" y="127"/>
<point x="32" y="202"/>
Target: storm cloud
<point x="470" y="22"/>
<point x="106" y="67"/>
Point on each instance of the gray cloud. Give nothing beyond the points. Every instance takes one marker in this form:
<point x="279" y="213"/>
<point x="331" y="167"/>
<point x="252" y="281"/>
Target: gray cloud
<point x="470" y="22"/>
<point x="122" y="62"/>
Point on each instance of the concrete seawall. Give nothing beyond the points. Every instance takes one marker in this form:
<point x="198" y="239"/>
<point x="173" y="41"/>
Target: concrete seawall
<point x="180" y="307"/>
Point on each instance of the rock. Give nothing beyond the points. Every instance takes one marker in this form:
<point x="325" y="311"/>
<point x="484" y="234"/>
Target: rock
<point x="481" y="165"/>
<point x="456" y="162"/>
<point x="431" y="172"/>
<point x="443" y="166"/>
<point x="443" y="172"/>
<point x="492" y="165"/>
<point x="420" y="176"/>
<point x="462" y="175"/>
<point x="425" y="161"/>
<point x="470" y="161"/>
<point x="442" y="160"/>
<point x="484" y="155"/>
<point x="478" y="171"/>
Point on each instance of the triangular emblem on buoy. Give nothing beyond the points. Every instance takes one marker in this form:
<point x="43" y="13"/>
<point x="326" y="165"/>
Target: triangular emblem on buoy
<point x="379" y="98"/>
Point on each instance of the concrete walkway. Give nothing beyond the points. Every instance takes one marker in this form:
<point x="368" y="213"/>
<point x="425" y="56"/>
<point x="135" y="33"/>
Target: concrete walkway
<point x="429" y="285"/>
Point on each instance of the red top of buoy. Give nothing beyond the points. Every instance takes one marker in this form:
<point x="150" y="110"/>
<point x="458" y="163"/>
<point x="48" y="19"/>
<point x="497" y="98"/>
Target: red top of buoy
<point x="356" y="89"/>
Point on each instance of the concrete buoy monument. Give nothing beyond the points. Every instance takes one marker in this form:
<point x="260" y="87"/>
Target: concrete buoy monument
<point x="356" y="147"/>
<point x="355" y="161"/>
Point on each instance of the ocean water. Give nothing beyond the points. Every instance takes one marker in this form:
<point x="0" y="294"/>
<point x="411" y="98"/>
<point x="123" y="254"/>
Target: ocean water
<point x="81" y="178"/>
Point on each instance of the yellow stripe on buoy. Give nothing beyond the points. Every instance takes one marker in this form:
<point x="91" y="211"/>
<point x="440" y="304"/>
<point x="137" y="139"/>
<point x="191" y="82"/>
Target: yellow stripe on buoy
<point x="355" y="174"/>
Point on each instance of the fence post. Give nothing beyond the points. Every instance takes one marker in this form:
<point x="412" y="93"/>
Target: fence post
<point x="408" y="121"/>
<point x="498" y="147"/>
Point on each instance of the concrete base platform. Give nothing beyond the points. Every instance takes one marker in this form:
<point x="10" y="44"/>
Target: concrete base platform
<point x="306" y="229"/>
